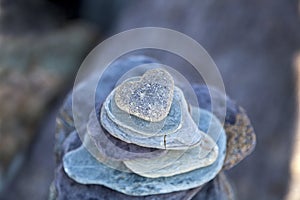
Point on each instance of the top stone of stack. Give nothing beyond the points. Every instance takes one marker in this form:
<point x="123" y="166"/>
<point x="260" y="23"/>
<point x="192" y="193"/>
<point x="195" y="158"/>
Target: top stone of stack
<point x="150" y="98"/>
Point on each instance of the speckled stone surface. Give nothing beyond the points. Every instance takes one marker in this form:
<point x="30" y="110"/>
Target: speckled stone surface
<point x="186" y="137"/>
<point x="150" y="98"/>
<point x="169" y="124"/>
<point x="241" y="138"/>
<point x="81" y="166"/>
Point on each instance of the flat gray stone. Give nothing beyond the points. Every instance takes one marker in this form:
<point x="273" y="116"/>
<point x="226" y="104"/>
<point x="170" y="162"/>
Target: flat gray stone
<point x="150" y="98"/>
<point x="184" y="138"/>
<point x="114" y="148"/>
<point x="180" y="161"/>
<point x="82" y="167"/>
<point x="102" y="158"/>
<point x="65" y="188"/>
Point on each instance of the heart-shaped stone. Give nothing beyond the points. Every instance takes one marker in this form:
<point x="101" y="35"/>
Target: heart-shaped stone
<point x="150" y="98"/>
<point x="187" y="136"/>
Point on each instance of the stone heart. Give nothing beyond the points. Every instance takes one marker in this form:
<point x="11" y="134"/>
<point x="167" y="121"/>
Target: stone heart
<point x="150" y="98"/>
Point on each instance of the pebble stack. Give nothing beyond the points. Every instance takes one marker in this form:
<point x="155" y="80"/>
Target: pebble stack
<point x="145" y="143"/>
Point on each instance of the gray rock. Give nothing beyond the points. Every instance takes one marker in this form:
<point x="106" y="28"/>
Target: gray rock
<point x="81" y="166"/>
<point x="187" y="136"/>
<point x="115" y="148"/>
<point x="176" y="161"/>
<point x="66" y="188"/>
<point x="65" y="120"/>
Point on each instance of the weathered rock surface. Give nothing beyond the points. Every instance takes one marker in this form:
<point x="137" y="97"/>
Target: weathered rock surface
<point x="169" y="124"/>
<point x="150" y="98"/>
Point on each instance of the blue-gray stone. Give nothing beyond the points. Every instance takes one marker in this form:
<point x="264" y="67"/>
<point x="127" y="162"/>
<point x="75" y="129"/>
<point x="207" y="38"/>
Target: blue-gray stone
<point x="65" y="188"/>
<point x="184" y="138"/>
<point x="176" y="161"/>
<point x="116" y="149"/>
<point x="81" y="166"/>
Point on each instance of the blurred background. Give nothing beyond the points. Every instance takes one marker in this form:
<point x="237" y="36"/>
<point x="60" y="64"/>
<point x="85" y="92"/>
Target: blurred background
<point x="255" y="44"/>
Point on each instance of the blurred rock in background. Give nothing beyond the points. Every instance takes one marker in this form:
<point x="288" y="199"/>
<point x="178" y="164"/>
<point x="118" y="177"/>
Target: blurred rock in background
<point x="253" y="44"/>
<point x="38" y="61"/>
<point x="34" y="70"/>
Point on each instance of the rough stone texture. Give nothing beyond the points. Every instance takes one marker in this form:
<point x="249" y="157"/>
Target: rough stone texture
<point x="241" y="139"/>
<point x="166" y="126"/>
<point x="149" y="98"/>
<point x="33" y="71"/>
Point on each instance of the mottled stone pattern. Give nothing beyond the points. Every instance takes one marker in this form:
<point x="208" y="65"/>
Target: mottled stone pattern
<point x="166" y="126"/>
<point x="241" y="139"/>
<point x="150" y="98"/>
